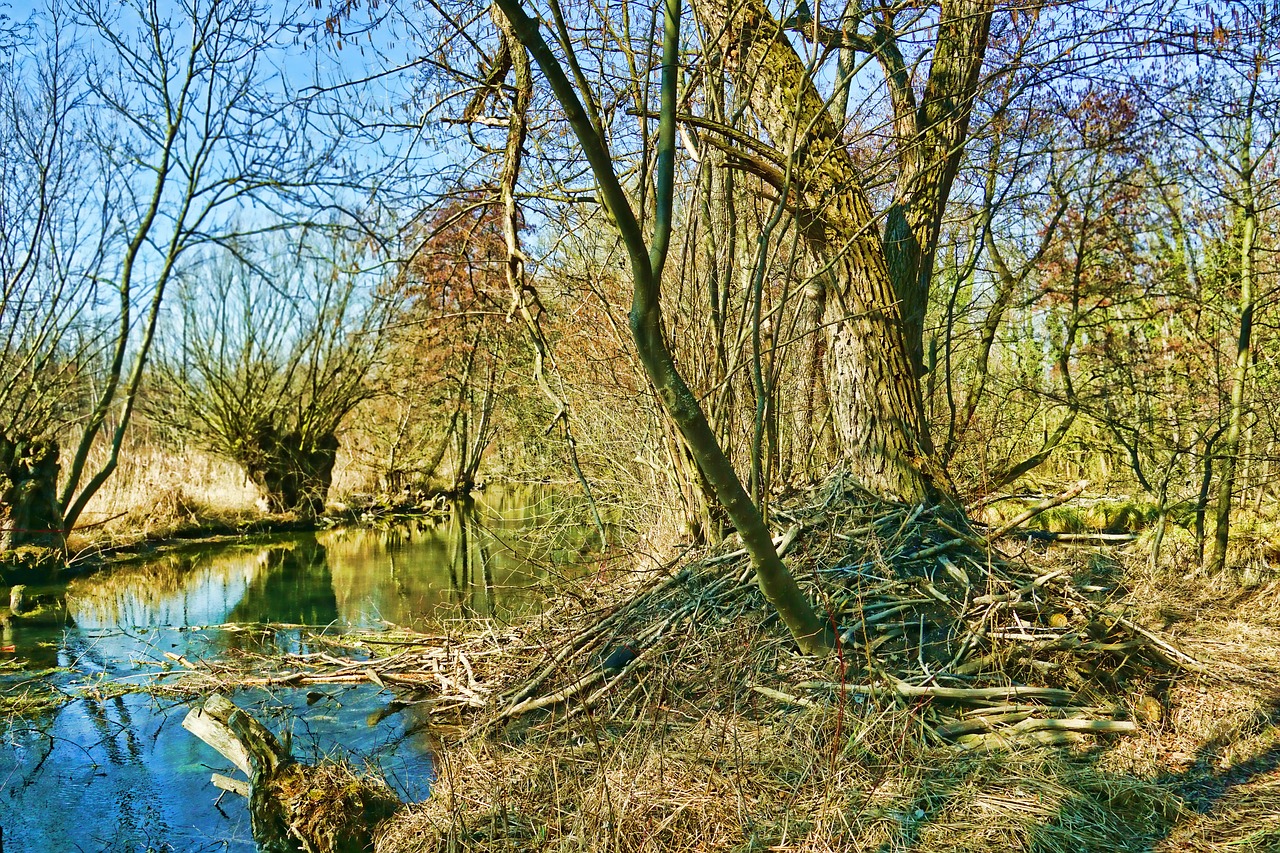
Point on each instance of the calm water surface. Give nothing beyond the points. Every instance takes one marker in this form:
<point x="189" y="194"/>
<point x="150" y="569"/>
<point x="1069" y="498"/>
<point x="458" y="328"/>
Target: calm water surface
<point x="110" y="772"/>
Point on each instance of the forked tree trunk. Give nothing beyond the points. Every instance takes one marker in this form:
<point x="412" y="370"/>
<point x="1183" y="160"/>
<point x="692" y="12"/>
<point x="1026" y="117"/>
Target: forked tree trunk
<point x="293" y="473"/>
<point x="930" y="138"/>
<point x="877" y="407"/>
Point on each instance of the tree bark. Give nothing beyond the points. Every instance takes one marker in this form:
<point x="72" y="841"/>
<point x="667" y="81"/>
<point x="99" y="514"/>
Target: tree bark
<point x="877" y="407"/>
<point x="647" y="259"/>
<point x="293" y="473"/>
<point x="1216" y="560"/>
<point x="930" y="141"/>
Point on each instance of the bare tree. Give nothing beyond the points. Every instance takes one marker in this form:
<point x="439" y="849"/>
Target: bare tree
<point x="195" y="127"/>
<point x="274" y="348"/>
<point x="51" y="254"/>
<point x="1227" y="108"/>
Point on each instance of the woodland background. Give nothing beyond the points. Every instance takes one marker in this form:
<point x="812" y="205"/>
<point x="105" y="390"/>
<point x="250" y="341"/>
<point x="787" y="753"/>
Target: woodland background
<point x="259" y="252"/>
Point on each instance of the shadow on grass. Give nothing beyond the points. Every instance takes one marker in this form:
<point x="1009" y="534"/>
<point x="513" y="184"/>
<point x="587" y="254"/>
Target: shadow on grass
<point x="1047" y="802"/>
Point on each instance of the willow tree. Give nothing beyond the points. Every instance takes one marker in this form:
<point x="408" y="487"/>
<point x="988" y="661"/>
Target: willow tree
<point x="188" y="121"/>
<point x="797" y="146"/>
<point x="275" y="348"/>
<point x="876" y="287"/>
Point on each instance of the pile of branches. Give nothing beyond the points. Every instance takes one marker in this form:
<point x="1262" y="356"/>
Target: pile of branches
<point x="993" y="650"/>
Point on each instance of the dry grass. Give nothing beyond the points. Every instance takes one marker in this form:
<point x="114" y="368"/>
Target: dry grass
<point x="321" y="801"/>
<point x="715" y="739"/>
<point x="713" y="743"/>
<point x="147" y="470"/>
<point x="157" y="492"/>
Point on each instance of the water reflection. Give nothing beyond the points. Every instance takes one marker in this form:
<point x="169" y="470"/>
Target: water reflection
<point x="293" y="584"/>
<point x="120" y="774"/>
<point x="126" y="761"/>
<point x="465" y="565"/>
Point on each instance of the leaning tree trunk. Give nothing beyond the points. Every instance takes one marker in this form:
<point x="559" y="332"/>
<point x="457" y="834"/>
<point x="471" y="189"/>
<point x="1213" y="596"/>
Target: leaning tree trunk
<point x="648" y="258"/>
<point x="877" y="409"/>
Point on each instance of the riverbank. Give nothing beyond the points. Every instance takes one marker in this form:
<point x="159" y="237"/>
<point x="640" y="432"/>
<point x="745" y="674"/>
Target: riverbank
<point x="130" y="538"/>
<point x="322" y="577"/>
<point x="1035" y="695"/>
<point x="1160" y="736"/>
<point x="1028" y="696"/>
<point x="93" y="704"/>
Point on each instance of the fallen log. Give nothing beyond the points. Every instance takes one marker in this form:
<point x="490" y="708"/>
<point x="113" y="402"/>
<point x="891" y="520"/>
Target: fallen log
<point x="292" y="807"/>
<point x="1032" y="512"/>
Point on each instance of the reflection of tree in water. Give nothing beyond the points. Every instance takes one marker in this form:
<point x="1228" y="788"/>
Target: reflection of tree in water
<point x="112" y="731"/>
<point x="295" y="586"/>
<point x="470" y="563"/>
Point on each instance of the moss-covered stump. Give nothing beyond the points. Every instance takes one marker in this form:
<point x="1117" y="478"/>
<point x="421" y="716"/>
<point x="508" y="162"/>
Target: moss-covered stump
<point x="331" y="807"/>
<point x="326" y="808"/>
<point x="30" y="513"/>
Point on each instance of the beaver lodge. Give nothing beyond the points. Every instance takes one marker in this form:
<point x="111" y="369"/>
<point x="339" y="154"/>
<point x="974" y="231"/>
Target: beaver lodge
<point x="991" y="691"/>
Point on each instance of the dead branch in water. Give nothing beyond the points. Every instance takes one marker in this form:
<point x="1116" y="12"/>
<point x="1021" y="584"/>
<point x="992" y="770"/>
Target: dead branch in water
<point x="322" y="809"/>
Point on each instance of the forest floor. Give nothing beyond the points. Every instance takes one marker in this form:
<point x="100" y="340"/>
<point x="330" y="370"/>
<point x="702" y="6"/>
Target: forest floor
<point x="1010" y="695"/>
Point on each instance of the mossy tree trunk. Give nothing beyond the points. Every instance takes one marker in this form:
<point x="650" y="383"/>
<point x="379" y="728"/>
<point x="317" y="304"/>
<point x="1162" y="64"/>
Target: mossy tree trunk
<point x="30" y="513"/>
<point x="877" y="409"/>
<point x="647" y="258"/>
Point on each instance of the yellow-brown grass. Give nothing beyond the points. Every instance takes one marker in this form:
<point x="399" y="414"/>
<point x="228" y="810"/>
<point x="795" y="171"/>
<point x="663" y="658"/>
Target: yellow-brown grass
<point x="688" y="753"/>
<point x="157" y="492"/>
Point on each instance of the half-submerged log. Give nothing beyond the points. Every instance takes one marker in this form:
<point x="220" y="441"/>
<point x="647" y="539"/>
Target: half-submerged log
<point x="292" y="807"/>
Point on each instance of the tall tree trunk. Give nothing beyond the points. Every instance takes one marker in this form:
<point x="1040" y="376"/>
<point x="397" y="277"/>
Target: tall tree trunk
<point x="930" y="141"/>
<point x="812" y="633"/>
<point x="877" y="408"/>
<point x="1216" y="560"/>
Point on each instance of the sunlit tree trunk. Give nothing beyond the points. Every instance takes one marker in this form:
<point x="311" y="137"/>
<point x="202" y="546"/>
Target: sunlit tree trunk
<point x="1216" y="559"/>
<point x="876" y="404"/>
<point x="647" y="258"/>
<point x="930" y="140"/>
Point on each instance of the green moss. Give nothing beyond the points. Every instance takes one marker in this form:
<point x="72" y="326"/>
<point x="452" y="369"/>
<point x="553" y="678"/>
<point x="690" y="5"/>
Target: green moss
<point x="1121" y="516"/>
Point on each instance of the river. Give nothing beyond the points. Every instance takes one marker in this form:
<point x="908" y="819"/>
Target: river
<point x="112" y="771"/>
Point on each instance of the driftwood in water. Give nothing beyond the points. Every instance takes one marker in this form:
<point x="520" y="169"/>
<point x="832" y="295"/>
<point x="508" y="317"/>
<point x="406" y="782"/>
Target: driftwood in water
<point x="256" y="753"/>
<point x="292" y="807"/>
